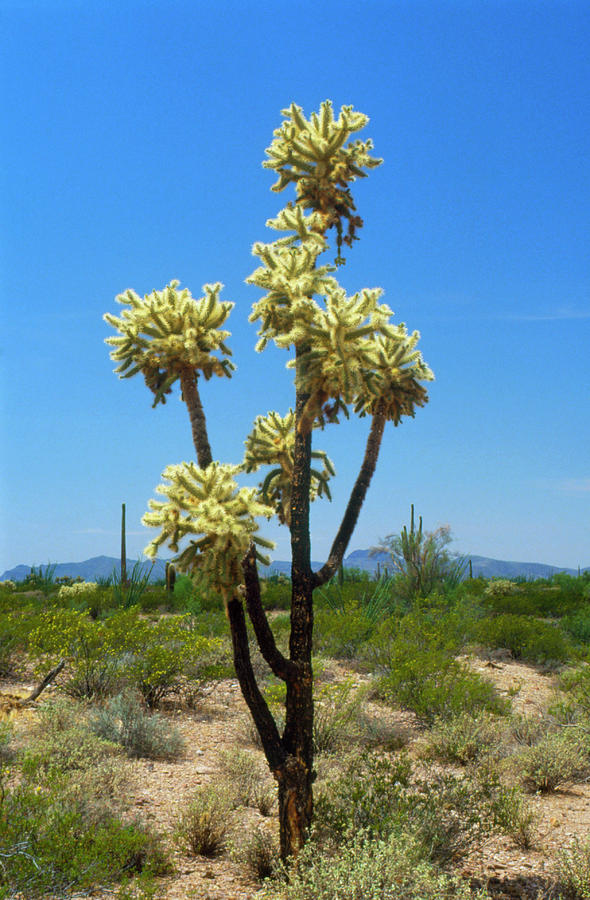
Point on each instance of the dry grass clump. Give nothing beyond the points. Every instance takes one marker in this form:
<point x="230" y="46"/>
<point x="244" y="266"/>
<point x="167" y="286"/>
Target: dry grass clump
<point x="250" y="782"/>
<point x="204" y="823"/>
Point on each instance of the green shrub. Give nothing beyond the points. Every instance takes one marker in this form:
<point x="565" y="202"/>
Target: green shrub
<point x="528" y="730"/>
<point x="122" y="650"/>
<point x="64" y="751"/>
<point x="5" y="740"/>
<point x="123" y="721"/>
<point x="513" y="815"/>
<point x="577" y="624"/>
<point x="392" y="869"/>
<point x="364" y="795"/>
<point x="435" y="685"/>
<point x="47" y="847"/>
<point x="204" y="823"/>
<point x="276" y="592"/>
<point x="556" y="759"/>
<point x="463" y="738"/>
<point x="59" y="827"/>
<point x="158" y="656"/>
<point x="445" y="815"/>
<point x="526" y="638"/>
<point x="91" y="668"/>
<point x="573" y="871"/>
<point x="336" y="719"/>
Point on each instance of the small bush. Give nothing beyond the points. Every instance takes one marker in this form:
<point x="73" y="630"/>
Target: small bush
<point x="463" y="738"/>
<point x="65" y="751"/>
<point x="123" y="650"/>
<point x="54" y="840"/>
<point x="555" y="760"/>
<point x="526" y="730"/>
<point x="526" y="638"/>
<point x="513" y="816"/>
<point x="578" y="625"/>
<point x="123" y="721"/>
<point x="336" y="718"/>
<point x="392" y="869"/>
<point x="250" y="781"/>
<point x="203" y="826"/>
<point x="5" y="739"/>
<point x="434" y="685"/>
<point x="364" y="795"/>
<point x="260" y="854"/>
<point x="573" y="871"/>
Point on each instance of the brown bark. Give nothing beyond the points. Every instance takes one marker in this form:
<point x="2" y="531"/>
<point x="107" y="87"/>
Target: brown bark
<point x="279" y="664"/>
<point x="295" y="806"/>
<point x="190" y="395"/>
<point x="296" y="776"/>
<point x="355" y="502"/>
<point x="265" y="724"/>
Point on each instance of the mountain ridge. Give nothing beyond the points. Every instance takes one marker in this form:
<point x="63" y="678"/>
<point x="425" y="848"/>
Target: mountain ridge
<point x="103" y="566"/>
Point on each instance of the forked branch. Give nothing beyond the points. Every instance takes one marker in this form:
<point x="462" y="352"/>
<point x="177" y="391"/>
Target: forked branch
<point x="278" y="663"/>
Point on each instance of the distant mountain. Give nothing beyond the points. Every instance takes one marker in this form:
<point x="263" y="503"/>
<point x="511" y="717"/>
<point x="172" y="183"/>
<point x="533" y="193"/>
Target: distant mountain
<point x="102" y="567"/>
<point x="481" y="565"/>
<point x="89" y="569"/>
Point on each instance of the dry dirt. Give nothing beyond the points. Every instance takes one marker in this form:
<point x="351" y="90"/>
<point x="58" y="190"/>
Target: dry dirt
<point x="220" y="723"/>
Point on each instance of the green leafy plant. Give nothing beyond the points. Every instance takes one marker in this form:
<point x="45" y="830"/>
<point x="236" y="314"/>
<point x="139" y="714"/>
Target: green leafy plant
<point x="250" y="783"/>
<point x="371" y="870"/>
<point x="260" y="854"/>
<point x="463" y="738"/>
<point x="514" y="816"/>
<point x="41" y="579"/>
<point x="573" y="871"/>
<point x="526" y="638"/>
<point x="429" y="681"/>
<point x="128" y="589"/>
<point x="124" y="649"/>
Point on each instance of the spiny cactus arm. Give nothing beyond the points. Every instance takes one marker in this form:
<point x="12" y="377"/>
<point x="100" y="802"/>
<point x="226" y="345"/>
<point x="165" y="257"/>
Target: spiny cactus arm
<point x="393" y="385"/>
<point x="312" y="154"/>
<point x="355" y="502"/>
<point x="206" y="506"/>
<point x="278" y="663"/>
<point x="340" y="355"/>
<point x="271" y="442"/>
<point x="291" y="278"/>
<point x="167" y="331"/>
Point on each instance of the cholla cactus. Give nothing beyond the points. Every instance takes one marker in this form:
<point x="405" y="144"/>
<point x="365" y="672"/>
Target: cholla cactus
<point x="168" y="333"/>
<point x="206" y="506"/>
<point x="72" y="591"/>
<point x="271" y="443"/>
<point x="291" y="277"/>
<point x="314" y="155"/>
<point x="393" y="386"/>
<point x="340" y="355"/>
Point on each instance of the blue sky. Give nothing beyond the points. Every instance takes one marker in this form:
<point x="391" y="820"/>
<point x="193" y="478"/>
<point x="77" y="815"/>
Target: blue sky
<point x="132" y="140"/>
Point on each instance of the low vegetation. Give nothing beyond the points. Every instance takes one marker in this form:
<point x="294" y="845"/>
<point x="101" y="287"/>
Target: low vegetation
<point x="395" y="815"/>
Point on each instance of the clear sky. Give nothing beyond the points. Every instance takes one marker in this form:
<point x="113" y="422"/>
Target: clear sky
<point x="132" y="139"/>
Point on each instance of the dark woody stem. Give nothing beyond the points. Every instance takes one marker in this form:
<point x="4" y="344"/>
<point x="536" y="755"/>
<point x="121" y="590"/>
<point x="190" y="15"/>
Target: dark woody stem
<point x="355" y="502"/>
<point x="190" y="395"/>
